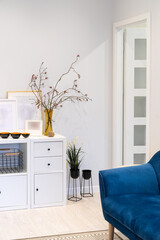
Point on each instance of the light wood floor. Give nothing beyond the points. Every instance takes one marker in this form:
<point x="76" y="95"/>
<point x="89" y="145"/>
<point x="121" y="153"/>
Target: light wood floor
<point x="82" y="216"/>
<point x="75" y="217"/>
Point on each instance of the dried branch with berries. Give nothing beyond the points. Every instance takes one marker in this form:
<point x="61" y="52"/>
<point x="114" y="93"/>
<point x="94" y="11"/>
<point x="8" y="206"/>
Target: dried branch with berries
<point x="54" y="98"/>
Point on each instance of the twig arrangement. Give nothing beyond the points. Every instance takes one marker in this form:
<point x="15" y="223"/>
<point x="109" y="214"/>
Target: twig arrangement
<point x="53" y="98"/>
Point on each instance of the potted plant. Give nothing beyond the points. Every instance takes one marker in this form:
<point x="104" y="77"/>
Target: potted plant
<point x="74" y="159"/>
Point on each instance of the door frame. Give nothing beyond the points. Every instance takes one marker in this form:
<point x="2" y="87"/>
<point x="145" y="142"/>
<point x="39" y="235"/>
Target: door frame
<point x="117" y="143"/>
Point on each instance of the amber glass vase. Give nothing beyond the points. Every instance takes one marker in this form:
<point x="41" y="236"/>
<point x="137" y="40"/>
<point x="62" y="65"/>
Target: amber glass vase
<point x="48" y="121"/>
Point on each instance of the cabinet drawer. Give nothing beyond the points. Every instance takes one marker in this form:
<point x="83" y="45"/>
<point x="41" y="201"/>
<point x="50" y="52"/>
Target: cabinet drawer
<point x="47" y="164"/>
<point x="48" y="188"/>
<point x="44" y="149"/>
<point x="13" y="191"/>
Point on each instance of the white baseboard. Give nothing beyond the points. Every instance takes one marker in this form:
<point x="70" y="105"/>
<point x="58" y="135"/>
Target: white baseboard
<point x="96" y="189"/>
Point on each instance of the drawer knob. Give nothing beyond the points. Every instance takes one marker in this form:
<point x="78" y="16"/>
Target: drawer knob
<point x="37" y="189"/>
<point x="49" y="164"/>
<point x="49" y="149"/>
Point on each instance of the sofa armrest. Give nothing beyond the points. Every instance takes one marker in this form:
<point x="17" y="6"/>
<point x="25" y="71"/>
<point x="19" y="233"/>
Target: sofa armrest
<point x="128" y="180"/>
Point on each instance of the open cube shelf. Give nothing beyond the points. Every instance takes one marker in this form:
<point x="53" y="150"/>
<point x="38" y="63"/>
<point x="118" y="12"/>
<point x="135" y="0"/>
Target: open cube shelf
<point x="11" y="160"/>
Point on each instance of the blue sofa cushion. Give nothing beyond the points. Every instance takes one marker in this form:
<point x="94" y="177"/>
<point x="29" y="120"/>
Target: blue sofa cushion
<point x="139" y="213"/>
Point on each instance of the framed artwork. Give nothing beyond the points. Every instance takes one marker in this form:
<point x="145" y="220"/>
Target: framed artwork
<point x="34" y="127"/>
<point x="8" y="115"/>
<point x="26" y="108"/>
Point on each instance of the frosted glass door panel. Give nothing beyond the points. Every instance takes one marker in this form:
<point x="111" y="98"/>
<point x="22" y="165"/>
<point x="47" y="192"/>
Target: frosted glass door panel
<point x="135" y="96"/>
<point x="139" y="135"/>
<point x="140" y="49"/>
<point x="139" y="106"/>
<point x="139" y="158"/>
<point x="140" y="78"/>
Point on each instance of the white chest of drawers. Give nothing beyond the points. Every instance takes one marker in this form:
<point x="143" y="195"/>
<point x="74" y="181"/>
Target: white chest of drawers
<point x="48" y="171"/>
<point x="43" y="180"/>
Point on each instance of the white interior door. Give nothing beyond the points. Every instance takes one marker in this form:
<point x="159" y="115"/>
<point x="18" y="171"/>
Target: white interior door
<point x="135" y="94"/>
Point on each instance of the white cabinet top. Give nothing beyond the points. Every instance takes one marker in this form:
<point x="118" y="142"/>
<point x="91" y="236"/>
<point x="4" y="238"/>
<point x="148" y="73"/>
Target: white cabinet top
<point x="10" y="140"/>
<point x="41" y="138"/>
<point x="34" y="138"/>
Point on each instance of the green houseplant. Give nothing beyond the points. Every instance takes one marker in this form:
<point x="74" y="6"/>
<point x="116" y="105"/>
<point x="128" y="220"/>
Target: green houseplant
<point x="74" y="159"/>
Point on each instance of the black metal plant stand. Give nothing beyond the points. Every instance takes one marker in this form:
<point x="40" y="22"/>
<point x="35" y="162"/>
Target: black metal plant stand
<point x="87" y="176"/>
<point x="72" y="185"/>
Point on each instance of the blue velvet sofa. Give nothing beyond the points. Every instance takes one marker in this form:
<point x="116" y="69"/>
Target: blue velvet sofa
<point x="130" y="198"/>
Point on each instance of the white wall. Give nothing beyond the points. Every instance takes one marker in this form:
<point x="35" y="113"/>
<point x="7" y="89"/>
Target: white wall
<point x="124" y="9"/>
<point x="55" y="31"/>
